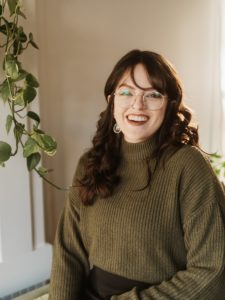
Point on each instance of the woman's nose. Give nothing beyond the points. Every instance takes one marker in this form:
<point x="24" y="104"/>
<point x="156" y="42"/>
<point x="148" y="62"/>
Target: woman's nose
<point x="138" y="102"/>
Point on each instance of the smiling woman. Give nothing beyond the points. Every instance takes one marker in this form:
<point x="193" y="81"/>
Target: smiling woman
<point x="139" y="114"/>
<point x="145" y="215"/>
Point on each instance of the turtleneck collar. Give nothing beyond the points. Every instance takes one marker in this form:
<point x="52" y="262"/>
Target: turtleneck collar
<point x="138" y="151"/>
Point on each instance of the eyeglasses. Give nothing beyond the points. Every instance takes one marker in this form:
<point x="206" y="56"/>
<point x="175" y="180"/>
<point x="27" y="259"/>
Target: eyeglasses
<point x="126" y="97"/>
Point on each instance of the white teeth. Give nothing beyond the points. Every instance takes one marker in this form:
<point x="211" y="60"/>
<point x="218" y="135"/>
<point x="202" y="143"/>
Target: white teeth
<point x="137" y="118"/>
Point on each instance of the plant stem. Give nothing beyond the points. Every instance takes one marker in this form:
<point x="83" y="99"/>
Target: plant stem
<point x="51" y="183"/>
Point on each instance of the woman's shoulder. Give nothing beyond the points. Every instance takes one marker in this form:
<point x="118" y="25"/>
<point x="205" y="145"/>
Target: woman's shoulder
<point x="198" y="181"/>
<point x="189" y="153"/>
<point x="190" y="158"/>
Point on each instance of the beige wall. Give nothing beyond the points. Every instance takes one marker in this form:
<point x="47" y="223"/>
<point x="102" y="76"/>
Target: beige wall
<point x="80" y="41"/>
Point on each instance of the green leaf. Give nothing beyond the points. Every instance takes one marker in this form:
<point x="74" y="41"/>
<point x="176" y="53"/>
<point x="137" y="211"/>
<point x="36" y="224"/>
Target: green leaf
<point x="4" y="91"/>
<point x="3" y="29"/>
<point x="20" y="13"/>
<point x="216" y="155"/>
<point x="50" y="144"/>
<point x="31" y="41"/>
<point x="43" y="171"/>
<point x="29" y="94"/>
<point x="12" y="6"/>
<point x="217" y="171"/>
<point x="32" y="81"/>
<point x="33" y="160"/>
<point x="18" y="131"/>
<point x="31" y="37"/>
<point x="19" y="98"/>
<point x="34" y="44"/>
<point x="46" y="142"/>
<point x="8" y="123"/>
<point x="5" y="151"/>
<point x="30" y="147"/>
<point x="21" y="36"/>
<point x="2" y="164"/>
<point x="22" y="75"/>
<point x="7" y="27"/>
<point x="11" y="67"/>
<point x="19" y="64"/>
<point x="17" y="47"/>
<point x="33" y="116"/>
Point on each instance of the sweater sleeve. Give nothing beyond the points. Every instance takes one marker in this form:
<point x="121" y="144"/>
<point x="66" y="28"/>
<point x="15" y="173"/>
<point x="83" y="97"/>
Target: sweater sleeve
<point x="202" y="206"/>
<point x="70" y="264"/>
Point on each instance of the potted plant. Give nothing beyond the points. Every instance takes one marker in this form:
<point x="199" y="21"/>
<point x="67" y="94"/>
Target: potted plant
<point x="18" y="89"/>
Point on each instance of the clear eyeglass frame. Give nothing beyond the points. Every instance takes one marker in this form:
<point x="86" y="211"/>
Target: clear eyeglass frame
<point x="129" y="101"/>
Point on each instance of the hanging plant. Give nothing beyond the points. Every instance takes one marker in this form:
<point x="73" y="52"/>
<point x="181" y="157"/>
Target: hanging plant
<point x="17" y="90"/>
<point x="218" y="164"/>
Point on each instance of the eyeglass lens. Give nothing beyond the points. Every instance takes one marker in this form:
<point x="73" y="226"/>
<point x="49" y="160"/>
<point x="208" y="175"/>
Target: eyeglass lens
<point x="152" y="99"/>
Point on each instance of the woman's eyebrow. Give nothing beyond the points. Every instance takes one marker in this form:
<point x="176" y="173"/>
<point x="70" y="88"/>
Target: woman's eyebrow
<point x="133" y="88"/>
<point x="126" y="85"/>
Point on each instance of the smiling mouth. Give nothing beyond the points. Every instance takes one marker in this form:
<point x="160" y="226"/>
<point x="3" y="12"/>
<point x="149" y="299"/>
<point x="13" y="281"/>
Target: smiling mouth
<point x="137" y="119"/>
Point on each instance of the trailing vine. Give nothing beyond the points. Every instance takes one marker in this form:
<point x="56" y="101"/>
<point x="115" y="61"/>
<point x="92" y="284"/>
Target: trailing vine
<point x="218" y="164"/>
<point x="17" y="90"/>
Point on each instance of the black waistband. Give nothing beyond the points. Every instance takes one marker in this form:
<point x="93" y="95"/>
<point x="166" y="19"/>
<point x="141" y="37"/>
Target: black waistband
<point x="102" y="284"/>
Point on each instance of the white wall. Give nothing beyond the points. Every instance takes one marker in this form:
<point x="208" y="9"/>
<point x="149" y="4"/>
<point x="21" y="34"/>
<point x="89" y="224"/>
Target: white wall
<point x="25" y="258"/>
<point x="81" y="41"/>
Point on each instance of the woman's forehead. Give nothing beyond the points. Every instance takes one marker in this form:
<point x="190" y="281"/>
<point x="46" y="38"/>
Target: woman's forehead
<point x="137" y="77"/>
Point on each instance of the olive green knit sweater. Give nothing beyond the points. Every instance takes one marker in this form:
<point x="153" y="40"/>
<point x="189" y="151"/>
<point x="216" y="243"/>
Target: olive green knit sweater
<point x="170" y="234"/>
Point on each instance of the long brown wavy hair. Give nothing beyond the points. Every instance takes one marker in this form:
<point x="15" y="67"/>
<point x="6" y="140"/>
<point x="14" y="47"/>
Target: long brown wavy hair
<point x="101" y="161"/>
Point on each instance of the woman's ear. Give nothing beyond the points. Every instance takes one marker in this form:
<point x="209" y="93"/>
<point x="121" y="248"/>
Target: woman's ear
<point x="108" y="98"/>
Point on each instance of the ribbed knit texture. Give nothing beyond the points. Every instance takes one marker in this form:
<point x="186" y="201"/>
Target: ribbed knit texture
<point x="170" y="234"/>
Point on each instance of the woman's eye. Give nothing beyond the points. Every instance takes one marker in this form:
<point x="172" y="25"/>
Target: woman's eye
<point x="125" y="92"/>
<point x="154" y="94"/>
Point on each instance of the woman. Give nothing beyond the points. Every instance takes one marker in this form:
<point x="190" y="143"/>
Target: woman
<point x="145" y="216"/>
